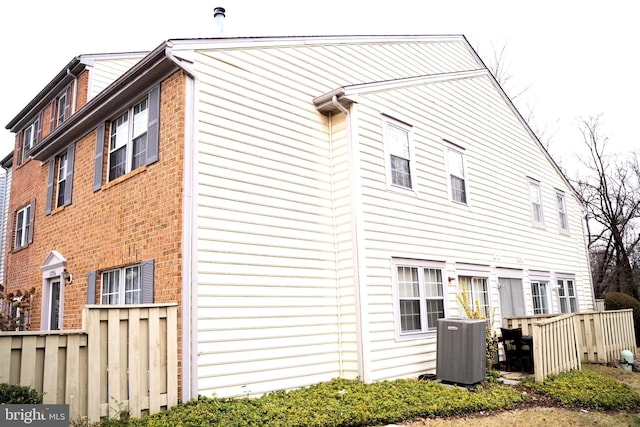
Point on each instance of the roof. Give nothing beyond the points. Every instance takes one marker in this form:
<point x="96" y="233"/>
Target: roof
<point x="149" y="70"/>
<point x="58" y="83"/>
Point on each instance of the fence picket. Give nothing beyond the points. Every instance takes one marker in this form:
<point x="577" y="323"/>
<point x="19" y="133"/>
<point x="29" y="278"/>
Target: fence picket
<point x="564" y="342"/>
<point x="50" y="375"/>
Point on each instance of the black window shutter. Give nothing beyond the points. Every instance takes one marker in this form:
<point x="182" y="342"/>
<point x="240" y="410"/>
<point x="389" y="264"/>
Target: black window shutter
<point x="146" y="281"/>
<point x="49" y="201"/>
<point x="32" y="218"/>
<point x="91" y="287"/>
<point x="153" y="125"/>
<point x="97" y="159"/>
<point x="69" y="178"/>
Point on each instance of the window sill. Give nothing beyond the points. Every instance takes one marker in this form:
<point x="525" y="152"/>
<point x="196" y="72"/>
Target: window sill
<point x="20" y="249"/>
<point x="124" y="177"/>
<point x="23" y="162"/>
<point x="402" y="190"/>
<point x="57" y="210"/>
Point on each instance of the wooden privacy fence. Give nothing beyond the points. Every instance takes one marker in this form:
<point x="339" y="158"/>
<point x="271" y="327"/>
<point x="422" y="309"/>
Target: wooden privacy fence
<point x="124" y="358"/>
<point x="563" y="342"/>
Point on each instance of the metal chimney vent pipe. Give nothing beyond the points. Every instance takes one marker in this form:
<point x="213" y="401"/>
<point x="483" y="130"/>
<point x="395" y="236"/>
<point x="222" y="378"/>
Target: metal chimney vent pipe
<point x="218" y="16"/>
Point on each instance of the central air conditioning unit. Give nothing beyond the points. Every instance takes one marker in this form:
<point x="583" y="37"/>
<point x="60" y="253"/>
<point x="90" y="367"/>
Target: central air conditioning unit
<point x="461" y="357"/>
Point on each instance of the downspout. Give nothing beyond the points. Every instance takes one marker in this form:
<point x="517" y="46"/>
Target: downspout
<point x="362" y="365"/>
<point x="335" y="251"/>
<point x="189" y="355"/>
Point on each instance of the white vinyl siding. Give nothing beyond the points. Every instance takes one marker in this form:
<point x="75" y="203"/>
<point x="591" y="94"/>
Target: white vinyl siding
<point x="285" y="194"/>
<point x="105" y="71"/>
<point x="266" y="240"/>
<point x="496" y="229"/>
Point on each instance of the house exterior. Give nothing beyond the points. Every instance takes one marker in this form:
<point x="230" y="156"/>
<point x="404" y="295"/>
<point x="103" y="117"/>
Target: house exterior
<point x="314" y="204"/>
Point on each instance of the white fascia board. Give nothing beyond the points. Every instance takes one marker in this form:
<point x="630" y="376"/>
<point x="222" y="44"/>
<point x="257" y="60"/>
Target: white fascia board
<point x="280" y="41"/>
<point x="411" y="81"/>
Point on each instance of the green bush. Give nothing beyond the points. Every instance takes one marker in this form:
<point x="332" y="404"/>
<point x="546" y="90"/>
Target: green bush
<point x="337" y="403"/>
<point x="582" y="389"/>
<point x="620" y="301"/>
<point x="17" y="394"/>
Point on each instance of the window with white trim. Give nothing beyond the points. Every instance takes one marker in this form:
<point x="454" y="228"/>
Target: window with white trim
<point x="121" y="286"/>
<point x="477" y="292"/>
<point x="419" y="291"/>
<point x="131" y="140"/>
<point x="457" y="175"/>
<point x="535" y="197"/>
<point x="30" y="137"/>
<point x="399" y="148"/>
<point x="128" y="140"/>
<point x="567" y="295"/>
<point x="539" y="294"/>
<point x="61" y="178"/>
<point x="563" y="221"/>
<point x="23" y="226"/>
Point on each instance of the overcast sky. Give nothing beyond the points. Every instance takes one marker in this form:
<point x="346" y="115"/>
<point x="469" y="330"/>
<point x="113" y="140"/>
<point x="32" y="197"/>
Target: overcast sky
<point x="577" y="58"/>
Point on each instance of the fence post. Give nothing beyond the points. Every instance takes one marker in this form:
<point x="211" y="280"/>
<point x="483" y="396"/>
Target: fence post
<point x="94" y="356"/>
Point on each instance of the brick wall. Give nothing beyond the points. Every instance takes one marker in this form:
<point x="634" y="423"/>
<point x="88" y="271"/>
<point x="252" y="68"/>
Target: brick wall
<point x="137" y="217"/>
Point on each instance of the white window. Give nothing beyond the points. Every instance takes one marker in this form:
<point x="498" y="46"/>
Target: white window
<point x="567" y="295"/>
<point x="563" y="221"/>
<point x="536" y="203"/>
<point x="539" y="294"/>
<point x="399" y="149"/>
<point x="128" y="140"/>
<point x="121" y="286"/>
<point x="30" y="138"/>
<point x="457" y="176"/>
<point x="61" y="179"/>
<point x="419" y="291"/>
<point x="23" y="221"/>
<point x="477" y="292"/>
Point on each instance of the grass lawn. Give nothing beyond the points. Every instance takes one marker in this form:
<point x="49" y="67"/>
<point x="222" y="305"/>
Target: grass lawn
<point x="540" y="411"/>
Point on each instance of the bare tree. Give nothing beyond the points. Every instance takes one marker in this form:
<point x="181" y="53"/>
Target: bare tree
<point x="500" y="66"/>
<point x="610" y="191"/>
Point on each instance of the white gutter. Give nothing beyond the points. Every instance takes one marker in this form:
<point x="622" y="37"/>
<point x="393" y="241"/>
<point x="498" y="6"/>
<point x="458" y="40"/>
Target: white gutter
<point x="362" y="326"/>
